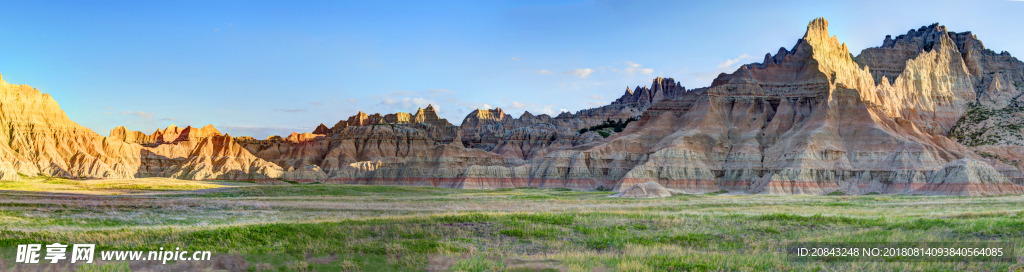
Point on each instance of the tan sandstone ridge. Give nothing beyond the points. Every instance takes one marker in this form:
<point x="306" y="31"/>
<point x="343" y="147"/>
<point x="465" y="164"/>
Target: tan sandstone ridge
<point x="40" y="139"/>
<point x="196" y="154"/>
<point x="929" y="112"/>
<point x="809" y="120"/>
<point x="648" y="189"/>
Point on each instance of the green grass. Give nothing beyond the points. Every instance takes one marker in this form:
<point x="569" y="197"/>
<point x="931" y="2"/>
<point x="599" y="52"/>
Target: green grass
<point x="327" y="227"/>
<point x="111" y="187"/>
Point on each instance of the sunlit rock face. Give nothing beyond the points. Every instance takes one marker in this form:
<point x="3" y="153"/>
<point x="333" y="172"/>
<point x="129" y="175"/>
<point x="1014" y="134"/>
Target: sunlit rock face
<point x="40" y="139"/>
<point x="195" y="154"/>
<point x="927" y="112"/>
<point x="809" y="120"/>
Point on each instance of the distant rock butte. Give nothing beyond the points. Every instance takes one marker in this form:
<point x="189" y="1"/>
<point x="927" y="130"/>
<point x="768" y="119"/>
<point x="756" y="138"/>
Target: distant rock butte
<point x="197" y="154"/>
<point x="422" y="116"/>
<point x="927" y="112"/>
<point x="648" y="189"/>
<point x="40" y="139"/>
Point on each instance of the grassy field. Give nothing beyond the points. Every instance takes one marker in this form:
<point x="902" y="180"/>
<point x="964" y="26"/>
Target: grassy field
<point x="112" y="186"/>
<point x="322" y="227"/>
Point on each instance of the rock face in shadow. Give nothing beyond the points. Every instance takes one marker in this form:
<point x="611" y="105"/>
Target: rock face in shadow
<point x="490" y="149"/>
<point x="928" y="112"/>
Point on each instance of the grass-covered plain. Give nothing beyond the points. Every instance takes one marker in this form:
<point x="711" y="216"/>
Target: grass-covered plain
<point x="324" y="227"/>
<point x="111" y="186"/>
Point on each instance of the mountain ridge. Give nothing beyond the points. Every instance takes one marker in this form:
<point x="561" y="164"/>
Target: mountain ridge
<point x="903" y="117"/>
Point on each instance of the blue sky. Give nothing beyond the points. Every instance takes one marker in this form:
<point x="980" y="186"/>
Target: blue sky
<point x="260" y="68"/>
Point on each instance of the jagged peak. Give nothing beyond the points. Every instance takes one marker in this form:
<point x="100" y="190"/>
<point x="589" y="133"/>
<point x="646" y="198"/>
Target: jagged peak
<point x="322" y="129"/>
<point x="486" y="114"/>
<point x="817" y="28"/>
<point x="628" y="92"/>
<point x="210" y="129"/>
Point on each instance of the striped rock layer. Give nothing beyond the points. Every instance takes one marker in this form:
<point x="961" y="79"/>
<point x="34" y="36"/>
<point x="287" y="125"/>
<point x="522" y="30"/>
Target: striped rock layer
<point x="905" y="117"/>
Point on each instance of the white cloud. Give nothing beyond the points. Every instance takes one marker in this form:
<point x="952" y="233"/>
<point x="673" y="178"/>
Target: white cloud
<point x="730" y="62"/>
<point x="455" y="109"/>
<point x="545" y="72"/>
<point x="261" y="132"/>
<point x="353" y="100"/>
<point x="595" y="97"/>
<point x="316" y="103"/>
<point x="439" y="92"/>
<point x="405" y="104"/>
<point x="582" y="73"/>
<point x="139" y="114"/>
<point x="632" y="68"/>
<point x="421" y="102"/>
<point x="514" y="58"/>
<point x="703" y="78"/>
<point x="518" y="105"/>
<point x="290" y="110"/>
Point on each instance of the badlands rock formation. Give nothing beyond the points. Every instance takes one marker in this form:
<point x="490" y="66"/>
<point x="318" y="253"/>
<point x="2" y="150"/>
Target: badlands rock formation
<point x="196" y="154"/>
<point x="928" y="112"/>
<point x="812" y="120"/>
<point x="645" y="190"/>
<point x="39" y="139"/>
<point x="42" y="140"/>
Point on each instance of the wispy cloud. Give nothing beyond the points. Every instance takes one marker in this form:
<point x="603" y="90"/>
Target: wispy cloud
<point x="261" y="132"/>
<point x="139" y="118"/>
<point x="316" y="103"/>
<point x="512" y="107"/>
<point x="582" y="73"/>
<point x="545" y="72"/>
<point x="287" y="110"/>
<point x="514" y="58"/>
<point x="633" y="68"/>
<point x="138" y="114"/>
<point x="514" y="104"/>
<point x="595" y="97"/>
<point x="730" y="62"/>
<point x="704" y="77"/>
